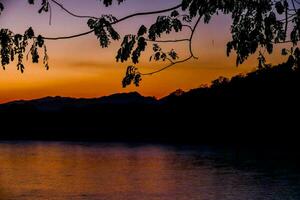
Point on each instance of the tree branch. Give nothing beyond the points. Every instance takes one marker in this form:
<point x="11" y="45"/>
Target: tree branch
<point x="169" y="41"/>
<point x="294" y="6"/>
<point x="118" y="21"/>
<point x="188" y="26"/>
<point x="50" y="14"/>
<point x="181" y="61"/>
<point x="147" y="13"/>
<point x="71" y="13"/>
<point x="69" y="37"/>
<point x="168" y="66"/>
<point x="191" y="38"/>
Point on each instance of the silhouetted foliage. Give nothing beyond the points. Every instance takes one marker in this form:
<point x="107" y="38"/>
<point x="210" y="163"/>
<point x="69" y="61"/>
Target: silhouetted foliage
<point x="45" y="3"/>
<point x="132" y="76"/>
<point x="103" y="29"/>
<point x="160" y="55"/>
<point x="141" y="44"/>
<point x="128" y="45"/>
<point x="15" y="45"/>
<point x="164" y="24"/>
<point x="44" y="6"/>
<point x="1" y="7"/>
<point x="256" y="25"/>
<point x="109" y="2"/>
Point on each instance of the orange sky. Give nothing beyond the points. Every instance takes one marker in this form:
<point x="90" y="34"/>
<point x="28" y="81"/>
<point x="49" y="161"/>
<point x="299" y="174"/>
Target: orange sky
<point x="81" y="68"/>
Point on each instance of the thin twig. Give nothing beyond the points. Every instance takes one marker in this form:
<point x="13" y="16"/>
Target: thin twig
<point x="181" y="61"/>
<point x="168" y="66"/>
<point x="50" y="14"/>
<point x="168" y="41"/>
<point x="71" y="13"/>
<point x="68" y="37"/>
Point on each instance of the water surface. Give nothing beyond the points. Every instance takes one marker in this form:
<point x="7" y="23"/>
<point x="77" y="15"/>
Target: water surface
<point x="85" y="171"/>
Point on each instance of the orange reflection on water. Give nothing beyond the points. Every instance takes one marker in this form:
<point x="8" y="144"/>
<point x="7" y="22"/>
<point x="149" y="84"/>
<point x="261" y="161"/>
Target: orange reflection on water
<point x="71" y="172"/>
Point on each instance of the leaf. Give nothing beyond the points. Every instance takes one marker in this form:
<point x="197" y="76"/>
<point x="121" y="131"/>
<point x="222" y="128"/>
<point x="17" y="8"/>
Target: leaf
<point x="109" y="2"/>
<point x="20" y="67"/>
<point x="270" y="48"/>
<point x="91" y="23"/>
<point x="113" y="34"/>
<point x="297" y="53"/>
<point x="173" y="54"/>
<point x="163" y="56"/>
<point x="157" y="56"/>
<point x="175" y="13"/>
<point x="126" y="48"/>
<point x="6" y="47"/>
<point x="142" y="31"/>
<point x="103" y="30"/>
<point x="17" y="39"/>
<point x="1" y="7"/>
<point x="132" y="76"/>
<point x="284" y="52"/>
<point x="140" y="48"/>
<point x="156" y="48"/>
<point x="185" y="4"/>
<point x="12" y="55"/>
<point x="44" y="7"/>
<point x="29" y="33"/>
<point x="279" y="7"/>
<point x="187" y="18"/>
<point x="34" y="54"/>
<point x="40" y="41"/>
<point x="164" y="24"/>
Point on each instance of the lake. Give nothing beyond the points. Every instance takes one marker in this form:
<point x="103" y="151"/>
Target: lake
<point x="91" y="171"/>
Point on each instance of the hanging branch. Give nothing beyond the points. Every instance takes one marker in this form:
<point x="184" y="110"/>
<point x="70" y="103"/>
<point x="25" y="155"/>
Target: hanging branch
<point x="190" y="40"/>
<point x="255" y="25"/>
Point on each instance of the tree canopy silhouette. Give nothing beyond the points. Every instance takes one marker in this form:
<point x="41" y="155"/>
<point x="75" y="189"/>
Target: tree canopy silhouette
<point x="256" y="25"/>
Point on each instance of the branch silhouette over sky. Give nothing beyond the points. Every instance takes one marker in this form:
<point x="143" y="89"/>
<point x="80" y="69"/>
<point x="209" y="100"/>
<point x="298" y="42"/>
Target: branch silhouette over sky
<point x="80" y="68"/>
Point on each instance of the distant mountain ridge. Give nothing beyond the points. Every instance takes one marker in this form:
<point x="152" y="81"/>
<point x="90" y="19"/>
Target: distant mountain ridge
<point x="260" y="106"/>
<point x="267" y="83"/>
<point x="56" y="103"/>
<point x="278" y="82"/>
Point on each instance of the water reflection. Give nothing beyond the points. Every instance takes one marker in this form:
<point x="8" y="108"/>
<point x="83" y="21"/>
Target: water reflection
<point x="60" y="171"/>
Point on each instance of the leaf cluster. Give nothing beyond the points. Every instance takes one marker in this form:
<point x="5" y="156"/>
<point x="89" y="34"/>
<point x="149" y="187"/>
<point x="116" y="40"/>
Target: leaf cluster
<point x="1" y="8"/>
<point x="103" y="29"/>
<point x="295" y="34"/>
<point x="255" y="23"/>
<point x="45" y="5"/>
<point x="165" y="24"/>
<point x="14" y="45"/>
<point x="293" y="56"/>
<point x="160" y="55"/>
<point x="109" y="2"/>
<point x="132" y="76"/>
<point x="132" y="46"/>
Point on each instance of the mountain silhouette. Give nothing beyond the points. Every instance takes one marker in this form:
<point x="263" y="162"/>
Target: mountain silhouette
<point x="59" y="103"/>
<point x="259" y="107"/>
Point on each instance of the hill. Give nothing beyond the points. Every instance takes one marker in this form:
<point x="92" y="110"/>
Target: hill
<point x="261" y="106"/>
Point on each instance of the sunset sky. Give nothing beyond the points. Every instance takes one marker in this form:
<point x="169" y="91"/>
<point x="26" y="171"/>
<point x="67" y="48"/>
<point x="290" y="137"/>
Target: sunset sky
<point x="81" y="68"/>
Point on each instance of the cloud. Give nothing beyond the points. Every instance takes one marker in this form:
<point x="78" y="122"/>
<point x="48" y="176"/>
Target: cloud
<point x="87" y="64"/>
